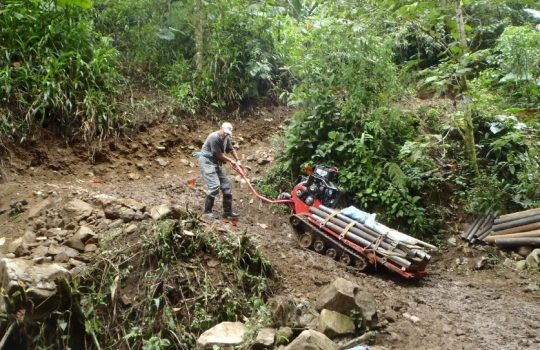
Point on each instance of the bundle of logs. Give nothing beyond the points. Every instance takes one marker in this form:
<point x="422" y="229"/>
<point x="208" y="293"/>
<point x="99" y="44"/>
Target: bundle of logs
<point x="405" y="251"/>
<point x="510" y="230"/>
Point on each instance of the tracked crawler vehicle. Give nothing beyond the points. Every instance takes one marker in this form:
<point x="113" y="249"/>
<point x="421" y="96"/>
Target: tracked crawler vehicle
<point x="321" y="228"/>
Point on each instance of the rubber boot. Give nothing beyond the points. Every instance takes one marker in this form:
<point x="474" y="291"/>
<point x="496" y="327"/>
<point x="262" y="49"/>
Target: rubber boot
<point x="208" y="205"/>
<point x="227" y="207"/>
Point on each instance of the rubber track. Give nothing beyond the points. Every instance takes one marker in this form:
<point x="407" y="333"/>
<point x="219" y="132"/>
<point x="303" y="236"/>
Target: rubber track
<point x="333" y="242"/>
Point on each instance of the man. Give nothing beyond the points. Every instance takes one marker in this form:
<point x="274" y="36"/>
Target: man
<point x="211" y="159"/>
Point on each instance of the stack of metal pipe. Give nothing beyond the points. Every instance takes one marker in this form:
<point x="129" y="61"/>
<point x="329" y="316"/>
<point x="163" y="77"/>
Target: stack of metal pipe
<point x="406" y="255"/>
<point x="516" y="229"/>
<point x="480" y="228"/>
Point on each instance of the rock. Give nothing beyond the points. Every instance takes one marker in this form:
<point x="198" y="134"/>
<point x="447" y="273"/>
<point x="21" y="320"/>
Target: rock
<point x="40" y="252"/>
<point x="131" y="229"/>
<point x="126" y="214"/>
<point x="90" y="248"/>
<point x="344" y="297"/>
<point x="133" y="176"/>
<point x="531" y="287"/>
<point x="37" y="283"/>
<point x="533" y="259"/>
<point x="223" y="334"/>
<point x="412" y="318"/>
<point x="29" y="237"/>
<point x="312" y="340"/>
<point x="133" y="204"/>
<point x="78" y="209"/>
<point x="333" y="324"/>
<point x="452" y="241"/>
<point x="162" y="162"/>
<point x="80" y="238"/>
<point x="76" y="263"/>
<point x="58" y="249"/>
<point x="481" y="263"/>
<point x="265" y="339"/>
<point x="160" y="212"/>
<point x="62" y="257"/>
<point x="521" y="265"/>
<point x="17" y="247"/>
<point x="524" y="251"/>
<point x="36" y="209"/>
<point x="184" y="162"/>
<point x="509" y="263"/>
<point x="284" y="335"/>
<point x="291" y="312"/>
<point x="104" y="200"/>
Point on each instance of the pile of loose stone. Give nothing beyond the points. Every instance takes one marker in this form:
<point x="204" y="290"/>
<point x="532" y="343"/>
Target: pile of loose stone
<point x="298" y="324"/>
<point x="62" y="236"/>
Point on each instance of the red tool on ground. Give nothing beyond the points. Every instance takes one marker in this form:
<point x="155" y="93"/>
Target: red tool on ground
<point x="321" y="228"/>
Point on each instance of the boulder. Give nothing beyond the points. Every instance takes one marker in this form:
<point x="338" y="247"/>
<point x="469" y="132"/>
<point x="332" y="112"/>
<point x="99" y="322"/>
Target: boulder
<point x="533" y="259"/>
<point x="345" y="297"/>
<point x="223" y="334"/>
<point x="29" y="237"/>
<point x="58" y="249"/>
<point x="291" y="312"/>
<point x="90" y="248"/>
<point x="104" y="200"/>
<point x="78" y="209"/>
<point x="34" y="288"/>
<point x="133" y="204"/>
<point x="131" y="229"/>
<point x="265" y="339"/>
<point x="333" y="324"/>
<point x="160" y="212"/>
<point x="83" y="235"/>
<point x="18" y="247"/>
<point x="38" y="208"/>
<point x="312" y="340"/>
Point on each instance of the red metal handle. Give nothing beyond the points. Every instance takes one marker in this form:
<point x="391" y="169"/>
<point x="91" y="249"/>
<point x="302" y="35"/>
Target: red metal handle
<point x="243" y="175"/>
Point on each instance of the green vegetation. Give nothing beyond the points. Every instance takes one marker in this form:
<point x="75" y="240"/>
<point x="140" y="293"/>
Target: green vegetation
<point x="160" y="290"/>
<point x="429" y="108"/>
<point x="55" y="70"/>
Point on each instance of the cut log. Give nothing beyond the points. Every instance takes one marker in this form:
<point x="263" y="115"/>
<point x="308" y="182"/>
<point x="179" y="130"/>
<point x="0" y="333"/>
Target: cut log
<point x="524" y="228"/>
<point x="535" y="233"/>
<point x="517" y="215"/>
<point x="518" y="242"/>
<point x="518" y="222"/>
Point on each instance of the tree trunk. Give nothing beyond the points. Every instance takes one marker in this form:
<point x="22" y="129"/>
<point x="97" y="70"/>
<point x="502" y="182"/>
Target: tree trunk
<point x="468" y="129"/>
<point x="199" y="35"/>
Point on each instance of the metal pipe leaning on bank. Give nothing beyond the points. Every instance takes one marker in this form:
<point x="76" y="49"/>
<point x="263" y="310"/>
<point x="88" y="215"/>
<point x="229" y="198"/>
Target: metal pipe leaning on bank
<point x="517" y="241"/>
<point x="535" y="233"/>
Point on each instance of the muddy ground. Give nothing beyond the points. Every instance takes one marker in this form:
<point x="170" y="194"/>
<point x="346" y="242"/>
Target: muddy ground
<point x="457" y="306"/>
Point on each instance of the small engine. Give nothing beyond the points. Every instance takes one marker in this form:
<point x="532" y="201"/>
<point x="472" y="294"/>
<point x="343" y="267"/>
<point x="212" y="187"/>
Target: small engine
<point x="319" y="185"/>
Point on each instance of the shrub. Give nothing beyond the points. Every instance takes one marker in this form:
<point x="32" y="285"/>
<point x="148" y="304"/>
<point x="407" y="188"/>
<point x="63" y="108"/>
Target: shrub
<point x="55" y="70"/>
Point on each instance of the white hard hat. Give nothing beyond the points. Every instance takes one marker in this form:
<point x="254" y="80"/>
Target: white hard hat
<point x="227" y="127"/>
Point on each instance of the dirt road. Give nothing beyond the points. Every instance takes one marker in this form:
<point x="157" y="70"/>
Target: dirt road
<point x="455" y="307"/>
